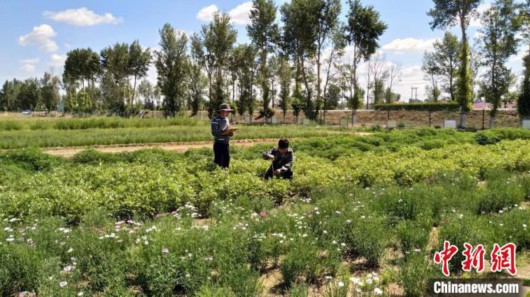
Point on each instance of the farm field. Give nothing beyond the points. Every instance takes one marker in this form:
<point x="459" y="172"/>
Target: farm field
<point x="363" y="216"/>
<point x="305" y="148"/>
<point x="114" y="131"/>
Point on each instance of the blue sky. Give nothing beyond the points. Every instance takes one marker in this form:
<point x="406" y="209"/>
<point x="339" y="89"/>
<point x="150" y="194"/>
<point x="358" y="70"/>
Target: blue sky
<point x="37" y="34"/>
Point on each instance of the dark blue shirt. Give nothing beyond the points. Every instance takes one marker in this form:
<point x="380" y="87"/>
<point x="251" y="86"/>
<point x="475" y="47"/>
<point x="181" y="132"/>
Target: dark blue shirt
<point x="219" y="125"/>
<point x="284" y="162"/>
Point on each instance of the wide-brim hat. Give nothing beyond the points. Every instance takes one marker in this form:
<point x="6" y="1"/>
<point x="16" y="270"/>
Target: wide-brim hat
<point x="225" y="107"/>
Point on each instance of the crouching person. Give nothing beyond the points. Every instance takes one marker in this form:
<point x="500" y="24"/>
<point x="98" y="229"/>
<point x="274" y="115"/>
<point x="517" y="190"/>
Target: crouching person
<point x="282" y="159"/>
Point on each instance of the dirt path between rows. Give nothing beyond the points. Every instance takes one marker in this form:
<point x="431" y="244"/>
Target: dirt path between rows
<point x="69" y="152"/>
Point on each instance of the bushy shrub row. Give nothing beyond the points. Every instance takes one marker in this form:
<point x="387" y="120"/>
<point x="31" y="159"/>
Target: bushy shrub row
<point x="149" y="182"/>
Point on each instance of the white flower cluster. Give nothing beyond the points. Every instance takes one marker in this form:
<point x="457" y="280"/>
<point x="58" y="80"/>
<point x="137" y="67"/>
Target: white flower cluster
<point x="367" y="284"/>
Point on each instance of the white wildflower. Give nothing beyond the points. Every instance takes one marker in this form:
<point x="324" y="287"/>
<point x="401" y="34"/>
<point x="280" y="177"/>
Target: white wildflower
<point x="355" y="280"/>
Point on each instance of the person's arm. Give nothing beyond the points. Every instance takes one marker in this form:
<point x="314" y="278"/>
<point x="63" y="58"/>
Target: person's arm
<point x="269" y="155"/>
<point x="288" y="162"/>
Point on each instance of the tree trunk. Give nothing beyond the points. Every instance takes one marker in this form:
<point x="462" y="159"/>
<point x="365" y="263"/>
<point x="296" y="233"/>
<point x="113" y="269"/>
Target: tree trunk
<point x="492" y="122"/>
<point x="273" y="94"/>
<point x="233" y="91"/>
<point x="430" y="118"/>
<point x="451" y="87"/>
<point x="463" y="119"/>
<point x="368" y="94"/>
<point x="306" y="83"/>
<point x="317" y="103"/>
<point x="211" y="110"/>
<point x="134" y="89"/>
<point x="353" y="117"/>
<point x="463" y="93"/>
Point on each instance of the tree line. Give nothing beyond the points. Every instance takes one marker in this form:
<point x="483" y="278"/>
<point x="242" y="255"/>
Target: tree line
<point x="299" y="64"/>
<point x="454" y="68"/>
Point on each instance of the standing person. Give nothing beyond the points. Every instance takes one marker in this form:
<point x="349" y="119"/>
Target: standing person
<point x="220" y="125"/>
<point x="282" y="159"/>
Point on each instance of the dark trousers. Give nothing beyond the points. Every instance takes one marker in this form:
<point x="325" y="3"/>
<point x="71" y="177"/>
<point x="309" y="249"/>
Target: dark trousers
<point x="285" y="174"/>
<point x="222" y="154"/>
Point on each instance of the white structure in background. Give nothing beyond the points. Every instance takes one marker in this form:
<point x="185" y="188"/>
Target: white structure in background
<point x="450" y="124"/>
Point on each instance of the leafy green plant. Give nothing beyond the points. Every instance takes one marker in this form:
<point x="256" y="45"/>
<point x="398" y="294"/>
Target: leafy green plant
<point x="413" y="237"/>
<point x="305" y="262"/>
<point x="415" y="275"/>
<point x="485" y="138"/>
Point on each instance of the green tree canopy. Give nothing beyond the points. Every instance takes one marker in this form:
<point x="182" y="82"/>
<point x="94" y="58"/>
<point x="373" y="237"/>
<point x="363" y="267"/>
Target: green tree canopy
<point x="81" y="65"/>
<point x="445" y="57"/>
<point x="264" y="33"/>
<point x="217" y="40"/>
<point x="362" y="31"/>
<point x="498" y="43"/>
<point x="172" y="66"/>
<point x="448" y="13"/>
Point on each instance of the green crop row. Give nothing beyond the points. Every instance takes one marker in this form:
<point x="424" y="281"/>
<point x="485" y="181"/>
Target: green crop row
<point x="96" y="123"/>
<point x="154" y="181"/>
<point x="155" y="223"/>
<point x="311" y="241"/>
<point x="88" y="137"/>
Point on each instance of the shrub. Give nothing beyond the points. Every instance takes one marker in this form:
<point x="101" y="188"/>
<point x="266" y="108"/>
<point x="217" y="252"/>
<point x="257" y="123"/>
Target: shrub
<point x="486" y="138"/>
<point x="432" y="144"/>
<point x="376" y="128"/>
<point x="20" y="270"/>
<point x="500" y="194"/>
<point x="512" y="227"/>
<point x="463" y="229"/>
<point x="415" y="274"/>
<point x="305" y="262"/>
<point x="299" y="290"/>
<point x="405" y="204"/>
<point x="367" y="240"/>
<point x="10" y="125"/>
<point x="412" y="237"/>
<point x="31" y="159"/>
<point x="209" y="291"/>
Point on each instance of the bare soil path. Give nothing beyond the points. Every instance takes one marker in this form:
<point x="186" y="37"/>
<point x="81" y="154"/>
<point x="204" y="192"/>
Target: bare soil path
<point x="69" y="152"/>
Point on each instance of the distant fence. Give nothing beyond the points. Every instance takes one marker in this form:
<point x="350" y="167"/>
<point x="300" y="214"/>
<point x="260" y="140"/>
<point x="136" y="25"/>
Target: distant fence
<point x="398" y="118"/>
